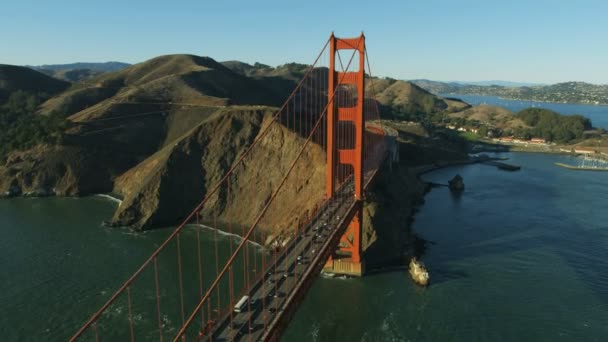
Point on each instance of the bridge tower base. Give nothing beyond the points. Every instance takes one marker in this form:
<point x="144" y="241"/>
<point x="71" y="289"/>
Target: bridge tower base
<point x="344" y="266"/>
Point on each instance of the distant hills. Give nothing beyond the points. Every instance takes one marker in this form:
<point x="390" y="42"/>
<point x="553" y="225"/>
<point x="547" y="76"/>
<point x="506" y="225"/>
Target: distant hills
<point x="499" y="83"/>
<point x="477" y="83"/>
<point x="407" y="101"/>
<point x="567" y="92"/>
<point x="103" y="67"/>
<point x="75" y="72"/>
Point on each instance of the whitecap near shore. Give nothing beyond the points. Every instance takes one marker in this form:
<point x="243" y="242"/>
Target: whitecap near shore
<point x="111" y="198"/>
<point x="226" y="234"/>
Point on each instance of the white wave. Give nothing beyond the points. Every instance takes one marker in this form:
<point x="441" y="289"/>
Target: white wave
<point x="128" y="231"/>
<point x="226" y="234"/>
<point x="315" y="332"/>
<point x="111" y="198"/>
<point x="330" y="275"/>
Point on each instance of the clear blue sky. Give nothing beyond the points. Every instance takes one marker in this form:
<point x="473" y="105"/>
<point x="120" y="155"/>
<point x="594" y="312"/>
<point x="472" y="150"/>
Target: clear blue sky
<point x="534" y="41"/>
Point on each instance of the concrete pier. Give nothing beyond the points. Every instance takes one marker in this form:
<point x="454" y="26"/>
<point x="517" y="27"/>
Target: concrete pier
<point x="344" y="266"/>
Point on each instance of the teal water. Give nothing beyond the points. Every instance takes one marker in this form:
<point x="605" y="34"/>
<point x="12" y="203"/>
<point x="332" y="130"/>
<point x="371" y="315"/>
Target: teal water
<point x="60" y="264"/>
<point x="519" y="256"/>
<point x="598" y="114"/>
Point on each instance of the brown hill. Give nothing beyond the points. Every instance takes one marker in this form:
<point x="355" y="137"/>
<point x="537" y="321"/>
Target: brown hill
<point x="13" y="78"/>
<point x="401" y="98"/>
<point x="142" y="108"/>
<point x="247" y="69"/>
<point x="136" y="129"/>
<point x="492" y="116"/>
<point x="172" y="181"/>
<point x="167" y="79"/>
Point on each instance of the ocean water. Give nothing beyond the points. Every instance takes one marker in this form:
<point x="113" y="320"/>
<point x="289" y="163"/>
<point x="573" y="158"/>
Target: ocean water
<point x="59" y="264"/>
<point x="597" y="113"/>
<point x="519" y="256"/>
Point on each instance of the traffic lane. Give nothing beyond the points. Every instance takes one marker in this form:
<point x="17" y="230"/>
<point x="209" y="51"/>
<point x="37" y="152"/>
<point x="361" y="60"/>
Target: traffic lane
<point x="284" y="277"/>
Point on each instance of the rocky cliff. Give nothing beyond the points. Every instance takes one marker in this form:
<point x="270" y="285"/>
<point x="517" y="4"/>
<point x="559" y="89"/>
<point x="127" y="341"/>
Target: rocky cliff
<point x="168" y="184"/>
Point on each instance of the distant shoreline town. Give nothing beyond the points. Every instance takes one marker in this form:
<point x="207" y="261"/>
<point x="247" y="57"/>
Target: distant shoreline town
<point x="567" y="92"/>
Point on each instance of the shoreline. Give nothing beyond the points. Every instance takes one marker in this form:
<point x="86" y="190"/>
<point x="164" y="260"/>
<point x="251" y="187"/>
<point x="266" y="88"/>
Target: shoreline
<point x="417" y="243"/>
<point x="537" y="101"/>
<point x="412" y="244"/>
<point x="490" y="146"/>
<point x="422" y="169"/>
<point x="227" y="234"/>
<point x="109" y="197"/>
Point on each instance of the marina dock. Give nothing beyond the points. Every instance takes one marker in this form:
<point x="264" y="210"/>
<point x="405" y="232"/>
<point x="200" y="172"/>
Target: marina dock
<point x="581" y="168"/>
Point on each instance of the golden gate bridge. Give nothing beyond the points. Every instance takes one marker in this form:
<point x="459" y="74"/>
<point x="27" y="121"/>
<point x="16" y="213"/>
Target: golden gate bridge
<point x="315" y="204"/>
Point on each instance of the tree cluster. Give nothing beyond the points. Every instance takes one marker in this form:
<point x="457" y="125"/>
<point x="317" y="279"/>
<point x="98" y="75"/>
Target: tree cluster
<point x="21" y="127"/>
<point x="552" y="126"/>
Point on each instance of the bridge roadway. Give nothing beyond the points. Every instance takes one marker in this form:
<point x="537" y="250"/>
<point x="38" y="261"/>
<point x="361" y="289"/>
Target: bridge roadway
<point x="301" y="259"/>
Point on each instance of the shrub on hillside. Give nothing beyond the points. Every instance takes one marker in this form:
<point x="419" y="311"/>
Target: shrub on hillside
<point x="21" y="127"/>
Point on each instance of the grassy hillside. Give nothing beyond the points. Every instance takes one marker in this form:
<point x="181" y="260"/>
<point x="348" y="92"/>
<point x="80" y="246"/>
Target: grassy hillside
<point x="526" y="124"/>
<point x="99" y="67"/>
<point x="14" y="78"/>
<point x="405" y="100"/>
<point x="491" y="116"/>
<point x="172" y="79"/>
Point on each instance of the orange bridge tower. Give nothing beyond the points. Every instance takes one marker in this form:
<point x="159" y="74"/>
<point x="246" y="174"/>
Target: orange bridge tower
<point x="346" y="153"/>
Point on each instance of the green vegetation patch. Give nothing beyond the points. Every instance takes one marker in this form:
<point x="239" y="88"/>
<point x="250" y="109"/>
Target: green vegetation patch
<point x="21" y="127"/>
<point x="552" y="126"/>
<point x="469" y="136"/>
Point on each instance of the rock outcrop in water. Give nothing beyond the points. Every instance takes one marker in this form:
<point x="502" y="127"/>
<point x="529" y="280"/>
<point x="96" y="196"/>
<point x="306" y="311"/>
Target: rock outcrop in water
<point x="456" y="184"/>
<point x="418" y="272"/>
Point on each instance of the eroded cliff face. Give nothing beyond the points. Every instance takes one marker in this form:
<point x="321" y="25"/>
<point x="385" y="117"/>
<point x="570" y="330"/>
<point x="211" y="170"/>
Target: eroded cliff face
<point x="169" y="184"/>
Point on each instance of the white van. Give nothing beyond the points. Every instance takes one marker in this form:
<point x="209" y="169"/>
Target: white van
<point x="240" y="305"/>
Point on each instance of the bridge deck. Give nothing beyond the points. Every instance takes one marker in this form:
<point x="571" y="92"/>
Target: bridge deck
<point x="303" y="257"/>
